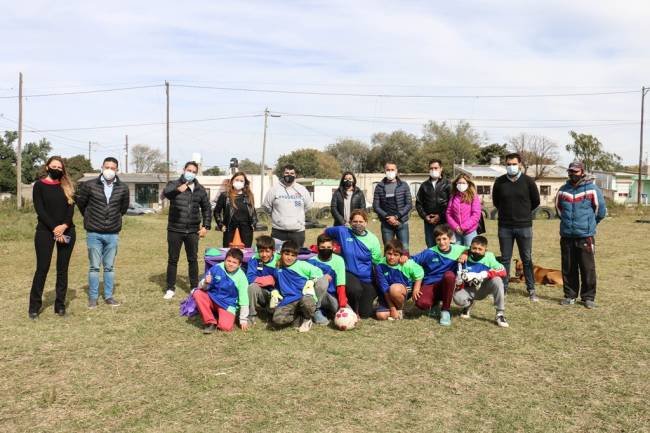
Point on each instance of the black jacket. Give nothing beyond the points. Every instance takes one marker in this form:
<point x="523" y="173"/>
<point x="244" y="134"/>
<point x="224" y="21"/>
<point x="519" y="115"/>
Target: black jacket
<point x="430" y="200"/>
<point x="99" y="216"/>
<point x="223" y="211"/>
<point x="515" y="201"/>
<point x="337" y="207"/>
<point x="402" y="197"/>
<point x="187" y="208"/>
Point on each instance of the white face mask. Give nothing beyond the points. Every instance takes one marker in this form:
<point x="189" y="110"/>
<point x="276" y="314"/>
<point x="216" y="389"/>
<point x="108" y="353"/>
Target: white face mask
<point x="238" y="185"/>
<point x="108" y="174"/>
<point x="435" y="174"/>
<point x="391" y="175"/>
<point x="462" y="187"/>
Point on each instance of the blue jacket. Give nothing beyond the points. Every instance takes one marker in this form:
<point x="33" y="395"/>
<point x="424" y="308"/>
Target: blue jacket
<point x="402" y="197"/>
<point x="581" y="208"/>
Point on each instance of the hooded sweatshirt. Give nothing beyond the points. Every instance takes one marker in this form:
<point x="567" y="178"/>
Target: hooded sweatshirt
<point x="287" y="206"/>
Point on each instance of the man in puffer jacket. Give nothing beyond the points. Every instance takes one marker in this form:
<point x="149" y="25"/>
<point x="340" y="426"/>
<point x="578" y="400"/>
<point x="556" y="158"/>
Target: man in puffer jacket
<point x="581" y="206"/>
<point x="189" y="219"/>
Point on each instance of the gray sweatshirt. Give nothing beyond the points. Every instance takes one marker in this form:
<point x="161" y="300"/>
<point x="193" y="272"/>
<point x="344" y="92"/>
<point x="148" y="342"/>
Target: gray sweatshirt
<point x="287" y="206"/>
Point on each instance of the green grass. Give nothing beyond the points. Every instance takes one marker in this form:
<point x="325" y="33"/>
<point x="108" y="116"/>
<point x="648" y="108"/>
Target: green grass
<point x="142" y="368"/>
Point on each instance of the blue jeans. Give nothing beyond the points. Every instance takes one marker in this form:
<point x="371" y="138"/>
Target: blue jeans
<point x="102" y="249"/>
<point x="429" y="239"/>
<point x="465" y="239"/>
<point x="524" y="238"/>
<point x="400" y="232"/>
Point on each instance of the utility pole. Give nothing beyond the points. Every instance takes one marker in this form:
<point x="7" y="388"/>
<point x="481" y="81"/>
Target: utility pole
<point x="89" y="151"/>
<point x="167" y="93"/>
<point x="126" y="154"/>
<point x="262" y="166"/>
<point x="19" y="153"/>
<point x="644" y="90"/>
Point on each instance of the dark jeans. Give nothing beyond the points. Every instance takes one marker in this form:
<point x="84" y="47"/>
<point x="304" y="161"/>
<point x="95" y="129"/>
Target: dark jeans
<point x="44" y="245"/>
<point x="174" y="242"/>
<point x="285" y="235"/>
<point x="578" y="262"/>
<point x="245" y="231"/>
<point x="360" y="295"/>
<point x="400" y="232"/>
<point x="524" y="238"/>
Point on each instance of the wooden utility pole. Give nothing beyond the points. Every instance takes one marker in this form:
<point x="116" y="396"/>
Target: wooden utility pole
<point x="126" y="154"/>
<point x="644" y="90"/>
<point x="167" y="93"/>
<point x="19" y="152"/>
<point x="90" y="152"/>
<point x="266" y="125"/>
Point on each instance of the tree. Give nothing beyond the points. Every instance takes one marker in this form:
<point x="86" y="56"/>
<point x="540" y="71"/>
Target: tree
<point x="589" y="150"/>
<point x="7" y="162"/>
<point x="351" y="154"/>
<point x="34" y="156"/>
<point x="310" y="163"/>
<point x="145" y="159"/>
<point x="494" y="150"/>
<point x="399" y="147"/>
<point x="249" y="167"/>
<point x="213" y="171"/>
<point x="452" y="146"/>
<point x="76" y="166"/>
<point x="537" y="152"/>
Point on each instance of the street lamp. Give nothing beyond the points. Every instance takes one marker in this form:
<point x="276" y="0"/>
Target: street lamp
<point x="266" y="125"/>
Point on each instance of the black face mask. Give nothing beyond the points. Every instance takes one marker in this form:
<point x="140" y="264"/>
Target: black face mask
<point x="288" y="179"/>
<point x="476" y="257"/>
<point x="55" y="174"/>
<point x="348" y="183"/>
<point x="575" y="178"/>
<point x="325" y="253"/>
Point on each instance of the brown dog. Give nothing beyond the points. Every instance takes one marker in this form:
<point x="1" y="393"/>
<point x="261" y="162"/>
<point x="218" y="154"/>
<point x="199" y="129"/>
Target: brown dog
<point x="542" y="275"/>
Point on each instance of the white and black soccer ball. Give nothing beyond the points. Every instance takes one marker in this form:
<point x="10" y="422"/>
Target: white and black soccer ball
<point x="345" y="319"/>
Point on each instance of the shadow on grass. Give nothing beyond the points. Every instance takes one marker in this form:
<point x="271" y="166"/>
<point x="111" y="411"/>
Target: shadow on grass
<point x="182" y="282"/>
<point x="50" y="296"/>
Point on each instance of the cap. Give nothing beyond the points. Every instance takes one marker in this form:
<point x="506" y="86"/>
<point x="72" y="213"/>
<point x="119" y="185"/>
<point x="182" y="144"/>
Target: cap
<point x="576" y="166"/>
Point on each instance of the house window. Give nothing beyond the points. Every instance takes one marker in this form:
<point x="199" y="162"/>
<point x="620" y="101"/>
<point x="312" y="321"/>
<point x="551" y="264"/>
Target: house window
<point x="483" y="189"/>
<point x="622" y="194"/>
<point x="545" y="190"/>
<point x="146" y="194"/>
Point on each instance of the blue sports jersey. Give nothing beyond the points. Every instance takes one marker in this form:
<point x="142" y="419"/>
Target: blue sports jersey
<point x="228" y="290"/>
<point x="256" y="268"/>
<point x="436" y="263"/>
<point x="291" y="280"/>
<point x="359" y="252"/>
<point x="330" y="268"/>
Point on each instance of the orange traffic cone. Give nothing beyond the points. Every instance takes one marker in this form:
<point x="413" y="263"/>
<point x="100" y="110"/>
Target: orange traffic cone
<point x="236" y="240"/>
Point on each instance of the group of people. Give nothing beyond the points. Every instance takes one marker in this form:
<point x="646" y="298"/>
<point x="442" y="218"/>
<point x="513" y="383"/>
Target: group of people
<point x="348" y="267"/>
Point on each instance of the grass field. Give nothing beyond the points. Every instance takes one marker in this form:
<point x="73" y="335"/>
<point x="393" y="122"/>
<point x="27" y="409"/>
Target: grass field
<point x="142" y="368"/>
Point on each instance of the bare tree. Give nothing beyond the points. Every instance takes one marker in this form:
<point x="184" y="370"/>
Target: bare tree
<point x="537" y="153"/>
<point x="146" y="159"/>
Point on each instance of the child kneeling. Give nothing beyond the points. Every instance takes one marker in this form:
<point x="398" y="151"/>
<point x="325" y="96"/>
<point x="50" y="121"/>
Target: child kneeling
<point x="222" y="291"/>
<point x="482" y="276"/>
<point x="297" y="283"/>
<point x="394" y="280"/>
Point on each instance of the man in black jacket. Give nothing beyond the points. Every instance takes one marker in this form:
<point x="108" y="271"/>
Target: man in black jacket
<point x="431" y="200"/>
<point x="189" y="204"/>
<point x="392" y="203"/>
<point x="516" y="196"/>
<point x="102" y="203"/>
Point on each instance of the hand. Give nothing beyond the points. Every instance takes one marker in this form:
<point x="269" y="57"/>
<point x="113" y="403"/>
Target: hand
<point x="202" y="232"/>
<point x="329" y="278"/>
<point x="244" y="325"/>
<point x="462" y="258"/>
<point x="60" y="239"/>
<point x="429" y="219"/>
<point x="276" y="297"/>
<point x="417" y="291"/>
<point x="208" y="279"/>
<point x="224" y="229"/>
<point x="435" y="219"/>
<point x="308" y="290"/>
<point x="403" y="259"/>
<point x="58" y="230"/>
<point x="459" y="230"/>
<point x="182" y="187"/>
<point x="391" y="220"/>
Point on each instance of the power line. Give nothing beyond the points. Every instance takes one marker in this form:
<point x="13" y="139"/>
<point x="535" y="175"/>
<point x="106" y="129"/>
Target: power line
<point x="387" y="95"/>
<point x="82" y="92"/>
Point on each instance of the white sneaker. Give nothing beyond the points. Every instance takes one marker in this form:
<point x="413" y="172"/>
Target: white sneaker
<point x="501" y="321"/>
<point x="305" y="326"/>
<point x="169" y="294"/>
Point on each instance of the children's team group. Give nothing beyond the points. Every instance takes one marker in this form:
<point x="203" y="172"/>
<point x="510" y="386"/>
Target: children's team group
<point x="289" y="291"/>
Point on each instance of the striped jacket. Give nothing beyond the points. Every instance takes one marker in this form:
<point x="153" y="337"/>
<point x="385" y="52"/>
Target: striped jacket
<point x="580" y="207"/>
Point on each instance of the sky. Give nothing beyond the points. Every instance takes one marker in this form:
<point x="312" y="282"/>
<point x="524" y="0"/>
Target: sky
<point x="362" y="66"/>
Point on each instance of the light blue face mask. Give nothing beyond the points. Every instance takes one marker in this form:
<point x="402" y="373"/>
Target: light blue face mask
<point x="513" y="170"/>
<point x="189" y="176"/>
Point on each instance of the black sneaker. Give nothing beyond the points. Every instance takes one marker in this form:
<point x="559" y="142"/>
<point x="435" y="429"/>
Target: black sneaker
<point x="33" y="316"/>
<point x="60" y="313"/>
<point x="590" y="304"/>
<point x="466" y="312"/>
<point x="112" y="302"/>
<point x="209" y="329"/>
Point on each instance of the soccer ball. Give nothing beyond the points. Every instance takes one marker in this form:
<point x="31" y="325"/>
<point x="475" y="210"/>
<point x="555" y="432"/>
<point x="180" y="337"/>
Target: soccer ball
<point x="345" y="319"/>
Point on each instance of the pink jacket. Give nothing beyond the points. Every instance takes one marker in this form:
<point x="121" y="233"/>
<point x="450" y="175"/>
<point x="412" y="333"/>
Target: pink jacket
<point x="463" y="215"/>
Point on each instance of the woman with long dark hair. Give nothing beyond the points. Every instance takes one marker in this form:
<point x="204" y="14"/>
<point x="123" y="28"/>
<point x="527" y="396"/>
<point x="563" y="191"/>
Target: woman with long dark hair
<point x="53" y="197"/>
<point x="464" y="209"/>
<point x="235" y="209"/>
<point x="346" y="198"/>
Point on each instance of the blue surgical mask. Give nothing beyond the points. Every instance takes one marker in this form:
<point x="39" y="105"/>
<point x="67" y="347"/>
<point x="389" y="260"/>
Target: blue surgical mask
<point x="189" y="176"/>
<point x="513" y="170"/>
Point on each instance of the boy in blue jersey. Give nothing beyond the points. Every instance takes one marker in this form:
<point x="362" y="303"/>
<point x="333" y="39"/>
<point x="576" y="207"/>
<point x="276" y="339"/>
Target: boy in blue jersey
<point x="482" y="276"/>
<point x="260" y="276"/>
<point x="333" y="266"/>
<point x="439" y="263"/>
<point x="295" y="292"/>
<point x="394" y="279"/>
<point x="223" y="290"/>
